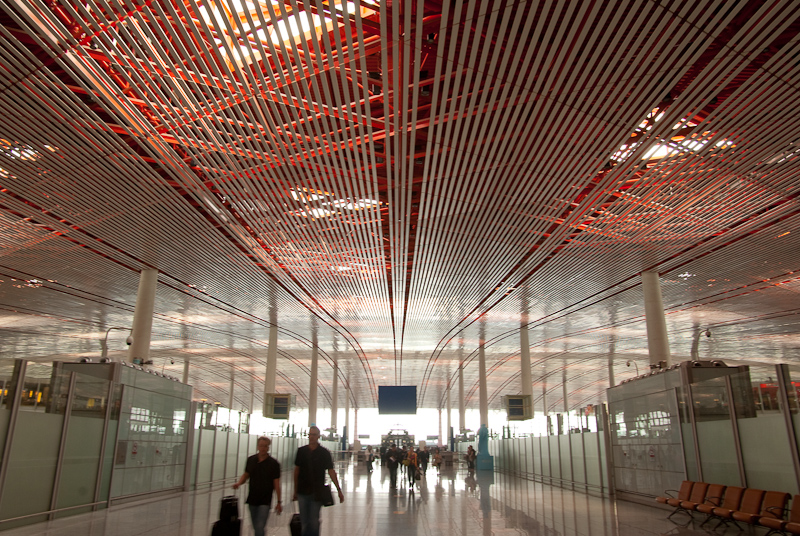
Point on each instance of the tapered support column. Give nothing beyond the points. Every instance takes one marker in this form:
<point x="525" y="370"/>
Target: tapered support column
<point x="439" y="442"/>
<point x="312" y="388"/>
<point x="525" y="359"/>
<point x="346" y="435"/>
<point x="611" y="372"/>
<point x="335" y="398"/>
<point x="185" y="378"/>
<point x="449" y="417"/>
<point x="355" y="424"/>
<point x="230" y="393"/>
<point x="462" y="418"/>
<point x="657" y="339"/>
<point x="143" y="316"/>
<point x="272" y="359"/>
<point x="483" y="391"/>
<point x="544" y="395"/>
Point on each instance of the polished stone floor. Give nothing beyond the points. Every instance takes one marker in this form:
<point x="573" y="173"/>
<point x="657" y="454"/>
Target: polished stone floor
<point x="453" y="503"/>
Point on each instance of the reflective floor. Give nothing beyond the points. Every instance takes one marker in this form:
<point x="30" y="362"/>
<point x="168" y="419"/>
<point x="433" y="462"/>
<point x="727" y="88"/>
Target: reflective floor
<point x="451" y="503"/>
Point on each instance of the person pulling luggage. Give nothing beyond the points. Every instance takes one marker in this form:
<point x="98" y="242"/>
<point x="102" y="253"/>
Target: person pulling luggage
<point x="264" y="473"/>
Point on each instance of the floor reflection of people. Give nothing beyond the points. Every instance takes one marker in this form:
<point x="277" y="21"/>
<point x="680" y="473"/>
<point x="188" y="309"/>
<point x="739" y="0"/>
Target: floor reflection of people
<point x="438" y="490"/>
<point x="471" y="483"/>
<point x="424" y="494"/>
<point x="485" y="481"/>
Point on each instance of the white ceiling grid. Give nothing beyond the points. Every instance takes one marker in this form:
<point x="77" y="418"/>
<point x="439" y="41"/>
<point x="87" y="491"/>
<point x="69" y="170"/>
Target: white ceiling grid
<point x="413" y="178"/>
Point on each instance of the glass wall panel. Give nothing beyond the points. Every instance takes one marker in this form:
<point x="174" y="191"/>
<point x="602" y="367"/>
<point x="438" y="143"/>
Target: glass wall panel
<point x="793" y="391"/>
<point x="220" y="456"/>
<point x="565" y="456"/>
<point x="536" y="443"/>
<point x="544" y="443"/>
<point x="591" y="452"/>
<point x="526" y="464"/>
<point x="578" y="469"/>
<point x="108" y="460"/>
<point x="763" y="435"/>
<point x="233" y="455"/>
<point x="9" y="371"/>
<point x="715" y="432"/>
<point x="205" y="457"/>
<point x="555" y="456"/>
<point x="37" y="391"/>
<point x="244" y="444"/>
<point x="83" y="443"/>
<point x="151" y="449"/>
<point x="34" y="452"/>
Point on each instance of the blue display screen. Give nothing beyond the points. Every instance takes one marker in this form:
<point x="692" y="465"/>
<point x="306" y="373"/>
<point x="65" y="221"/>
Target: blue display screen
<point x="397" y="399"/>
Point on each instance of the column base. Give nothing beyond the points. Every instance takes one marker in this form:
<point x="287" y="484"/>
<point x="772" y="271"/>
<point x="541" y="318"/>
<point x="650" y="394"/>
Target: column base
<point x="485" y="463"/>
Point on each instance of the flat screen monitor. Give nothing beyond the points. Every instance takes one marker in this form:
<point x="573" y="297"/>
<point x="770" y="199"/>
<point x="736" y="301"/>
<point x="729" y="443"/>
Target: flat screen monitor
<point x="397" y="399"/>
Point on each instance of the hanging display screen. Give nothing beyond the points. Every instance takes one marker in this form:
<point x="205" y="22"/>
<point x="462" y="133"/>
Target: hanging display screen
<point x="397" y="399"/>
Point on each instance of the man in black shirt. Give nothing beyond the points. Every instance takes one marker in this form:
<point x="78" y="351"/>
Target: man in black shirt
<point x="392" y="461"/>
<point x="310" y="464"/>
<point x="264" y="473"/>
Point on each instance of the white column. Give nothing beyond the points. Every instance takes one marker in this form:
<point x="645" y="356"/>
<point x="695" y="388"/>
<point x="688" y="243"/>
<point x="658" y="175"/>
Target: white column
<point x="355" y="424"/>
<point x="657" y="338"/>
<point x="525" y="358"/>
<point x="272" y="362"/>
<point x="312" y="389"/>
<point x="483" y="392"/>
<point x="544" y="395"/>
<point x="347" y="415"/>
<point x="185" y="378"/>
<point x="335" y="397"/>
<point x="143" y="316"/>
<point x="251" y="407"/>
<point x="439" y="443"/>
<point x="462" y="419"/>
<point x="449" y="418"/>
<point x="564" y="391"/>
<point x="230" y="394"/>
<point x="611" y="371"/>
<point x="272" y="359"/>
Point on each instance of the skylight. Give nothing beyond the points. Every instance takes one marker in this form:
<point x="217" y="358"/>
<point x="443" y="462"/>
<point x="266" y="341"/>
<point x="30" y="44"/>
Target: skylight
<point x="296" y="25"/>
<point x="321" y="204"/>
<point x="18" y="151"/>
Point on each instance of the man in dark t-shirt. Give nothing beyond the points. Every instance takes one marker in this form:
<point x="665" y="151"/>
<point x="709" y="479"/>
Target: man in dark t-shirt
<point x="392" y="461"/>
<point x="310" y="464"/>
<point x="264" y="473"/>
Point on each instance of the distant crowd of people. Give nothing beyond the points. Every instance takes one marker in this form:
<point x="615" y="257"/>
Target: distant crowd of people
<point x="409" y="462"/>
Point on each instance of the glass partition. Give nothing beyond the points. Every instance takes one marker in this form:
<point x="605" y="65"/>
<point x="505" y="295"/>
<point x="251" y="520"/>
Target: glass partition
<point x="712" y="412"/>
<point x="84" y="441"/>
<point x="762" y="431"/>
<point x="35" y="446"/>
<point x="9" y="372"/>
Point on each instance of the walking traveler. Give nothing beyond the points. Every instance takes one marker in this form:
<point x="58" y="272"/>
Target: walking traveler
<point x="392" y="461"/>
<point x="412" y="468"/>
<point x="264" y="473"/>
<point x="310" y="491"/>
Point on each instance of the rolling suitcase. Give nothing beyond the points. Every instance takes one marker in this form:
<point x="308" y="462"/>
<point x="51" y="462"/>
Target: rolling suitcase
<point x="294" y="525"/>
<point x="229" y="523"/>
<point x="229" y="508"/>
<point x="227" y="528"/>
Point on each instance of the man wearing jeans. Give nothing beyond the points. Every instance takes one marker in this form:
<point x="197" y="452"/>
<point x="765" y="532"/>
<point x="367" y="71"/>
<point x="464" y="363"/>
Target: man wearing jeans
<point x="310" y="464"/>
<point x="264" y="473"/>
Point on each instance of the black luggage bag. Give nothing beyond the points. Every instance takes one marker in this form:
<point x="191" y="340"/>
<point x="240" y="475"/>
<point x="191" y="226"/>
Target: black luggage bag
<point x="294" y="525"/>
<point x="229" y="508"/>
<point x="227" y="528"/>
<point x="229" y="523"/>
